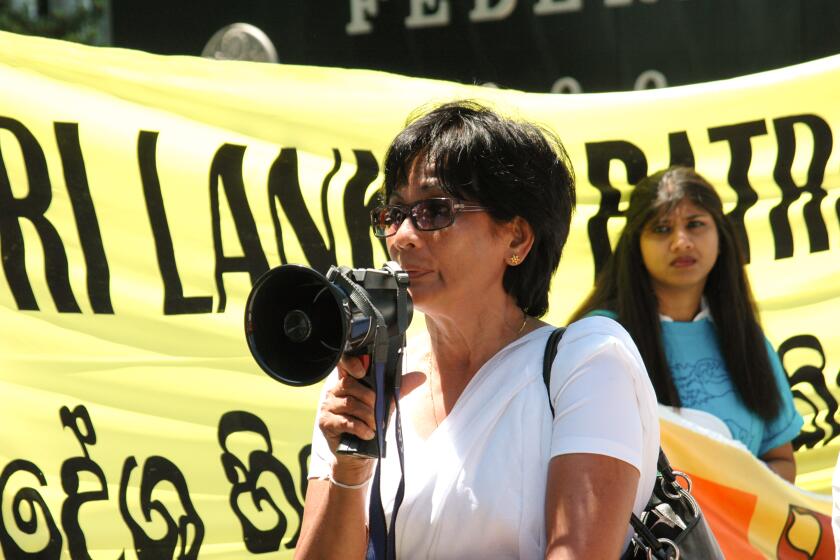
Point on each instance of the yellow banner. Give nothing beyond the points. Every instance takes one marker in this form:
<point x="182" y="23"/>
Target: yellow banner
<point x="141" y="196"/>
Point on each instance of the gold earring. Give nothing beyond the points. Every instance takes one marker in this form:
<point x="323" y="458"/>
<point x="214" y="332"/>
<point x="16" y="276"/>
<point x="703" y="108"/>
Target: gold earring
<point x="514" y="260"/>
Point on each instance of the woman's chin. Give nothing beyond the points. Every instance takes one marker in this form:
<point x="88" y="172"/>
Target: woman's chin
<point x="424" y="299"/>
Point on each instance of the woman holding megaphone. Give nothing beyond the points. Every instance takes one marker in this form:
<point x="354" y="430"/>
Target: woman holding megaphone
<point x="476" y="209"/>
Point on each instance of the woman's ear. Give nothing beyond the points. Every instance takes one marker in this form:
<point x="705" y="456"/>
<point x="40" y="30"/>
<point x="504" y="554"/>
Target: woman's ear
<point x="521" y="240"/>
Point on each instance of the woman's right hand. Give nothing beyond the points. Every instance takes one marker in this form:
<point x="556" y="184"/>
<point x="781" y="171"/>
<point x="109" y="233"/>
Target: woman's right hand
<point x="348" y="408"/>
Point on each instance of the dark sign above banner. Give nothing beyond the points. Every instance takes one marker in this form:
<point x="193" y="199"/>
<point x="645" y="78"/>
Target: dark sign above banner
<point x="532" y="45"/>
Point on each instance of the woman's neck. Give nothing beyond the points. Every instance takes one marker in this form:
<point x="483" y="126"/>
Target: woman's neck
<point x="460" y="346"/>
<point x="679" y="304"/>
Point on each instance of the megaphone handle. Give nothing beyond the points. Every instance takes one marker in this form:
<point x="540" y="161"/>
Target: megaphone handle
<point x="354" y="445"/>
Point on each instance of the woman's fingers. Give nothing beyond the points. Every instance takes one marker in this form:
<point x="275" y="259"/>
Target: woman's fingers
<point x="334" y="425"/>
<point x="351" y="387"/>
<point x="354" y="366"/>
<point x="349" y="405"/>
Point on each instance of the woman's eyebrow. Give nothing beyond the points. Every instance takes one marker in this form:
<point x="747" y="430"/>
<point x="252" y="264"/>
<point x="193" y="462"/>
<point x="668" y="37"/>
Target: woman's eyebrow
<point x="429" y="184"/>
<point x="395" y="197"/>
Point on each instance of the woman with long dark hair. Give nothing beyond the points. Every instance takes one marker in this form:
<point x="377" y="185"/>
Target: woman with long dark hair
<point x="676" y="282"/>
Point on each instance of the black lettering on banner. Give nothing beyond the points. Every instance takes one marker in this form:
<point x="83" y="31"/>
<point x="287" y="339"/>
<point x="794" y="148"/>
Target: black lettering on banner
<point x="245" y="480"/>
<point x="815" y="377"/>
<point x="32" y="207"/>
<point x="837" y="209"/>
<point x="680" y="149"/>
<point x="75" y="176"/>
<point x="357" y="211"/>
<point x="598" y="158"/>
<point x="188" y="530"/>
<point x="782" y="173"/>
<point x="303" y="465"/>
<point x="174" y="302"/>
<point x="29" y="500"/>
<point x="184" y="533"/>
<point x="740" y="148"/>
<point x="79" y="422"/>
<point x="284" y="186"/>
<point x="227" y="167"/>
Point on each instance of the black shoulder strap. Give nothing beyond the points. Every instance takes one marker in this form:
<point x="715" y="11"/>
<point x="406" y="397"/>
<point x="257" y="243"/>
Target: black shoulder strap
<point x="548" y="359"/>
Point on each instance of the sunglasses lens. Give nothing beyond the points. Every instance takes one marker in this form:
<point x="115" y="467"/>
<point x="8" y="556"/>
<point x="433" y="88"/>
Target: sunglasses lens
<point x="427" y="215"/>
<point x="432" y="214"/>
<point x="385" y="220"/>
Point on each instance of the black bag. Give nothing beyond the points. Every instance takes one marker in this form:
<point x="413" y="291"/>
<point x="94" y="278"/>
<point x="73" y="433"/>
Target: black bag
<point x="671" y="526"/>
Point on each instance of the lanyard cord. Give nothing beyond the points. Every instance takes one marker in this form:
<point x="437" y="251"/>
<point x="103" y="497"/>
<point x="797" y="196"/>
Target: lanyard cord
<point x="381" y="541"/>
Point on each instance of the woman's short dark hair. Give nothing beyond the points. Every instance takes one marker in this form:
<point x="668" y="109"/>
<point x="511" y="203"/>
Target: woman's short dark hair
<point x="514" y="168"/>
<point x="624" y="287"/>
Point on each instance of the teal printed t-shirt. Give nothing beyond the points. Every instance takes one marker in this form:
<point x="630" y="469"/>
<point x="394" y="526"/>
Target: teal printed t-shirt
<point x="703" y="383"/>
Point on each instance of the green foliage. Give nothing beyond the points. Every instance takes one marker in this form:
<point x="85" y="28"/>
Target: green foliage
<point x="80" y="26"/>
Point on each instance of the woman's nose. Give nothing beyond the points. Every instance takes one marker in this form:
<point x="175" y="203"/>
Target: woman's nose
<point x="681" y="240"/>
<point x="406" y="234"/>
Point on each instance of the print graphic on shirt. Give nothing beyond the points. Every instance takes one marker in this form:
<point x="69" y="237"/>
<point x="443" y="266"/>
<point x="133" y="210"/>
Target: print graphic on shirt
<point x="704" y="382"/>
<point x="701" y="381"/>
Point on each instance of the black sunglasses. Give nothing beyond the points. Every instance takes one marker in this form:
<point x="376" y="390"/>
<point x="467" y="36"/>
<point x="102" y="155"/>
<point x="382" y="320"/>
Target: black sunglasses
<point x="428" y="214"/>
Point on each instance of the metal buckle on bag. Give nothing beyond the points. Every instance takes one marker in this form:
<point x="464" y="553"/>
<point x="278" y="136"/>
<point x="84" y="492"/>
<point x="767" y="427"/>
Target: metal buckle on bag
<point x="685" y="477"/>
<point x="676" y="495"/>
<point x="674" y="546"/>
<point x="667" y="556"/>
<point x="665" y="514"/>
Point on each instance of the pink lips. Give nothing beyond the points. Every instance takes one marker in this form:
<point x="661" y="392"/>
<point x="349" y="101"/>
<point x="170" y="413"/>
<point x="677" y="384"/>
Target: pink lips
<point x="683" y="262"/>
<point x="413" y="273"/>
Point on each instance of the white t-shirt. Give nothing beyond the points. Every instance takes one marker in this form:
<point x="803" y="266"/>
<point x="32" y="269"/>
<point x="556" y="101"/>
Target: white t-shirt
<point x="475" y="488"/>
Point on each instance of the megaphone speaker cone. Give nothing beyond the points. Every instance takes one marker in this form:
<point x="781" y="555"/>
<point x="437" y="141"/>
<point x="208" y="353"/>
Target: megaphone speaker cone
<point x="295" y="324"/>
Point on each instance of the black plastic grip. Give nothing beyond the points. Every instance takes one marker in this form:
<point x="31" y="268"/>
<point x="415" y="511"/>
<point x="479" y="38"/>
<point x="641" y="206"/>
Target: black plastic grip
<point x="354" y="445"/>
